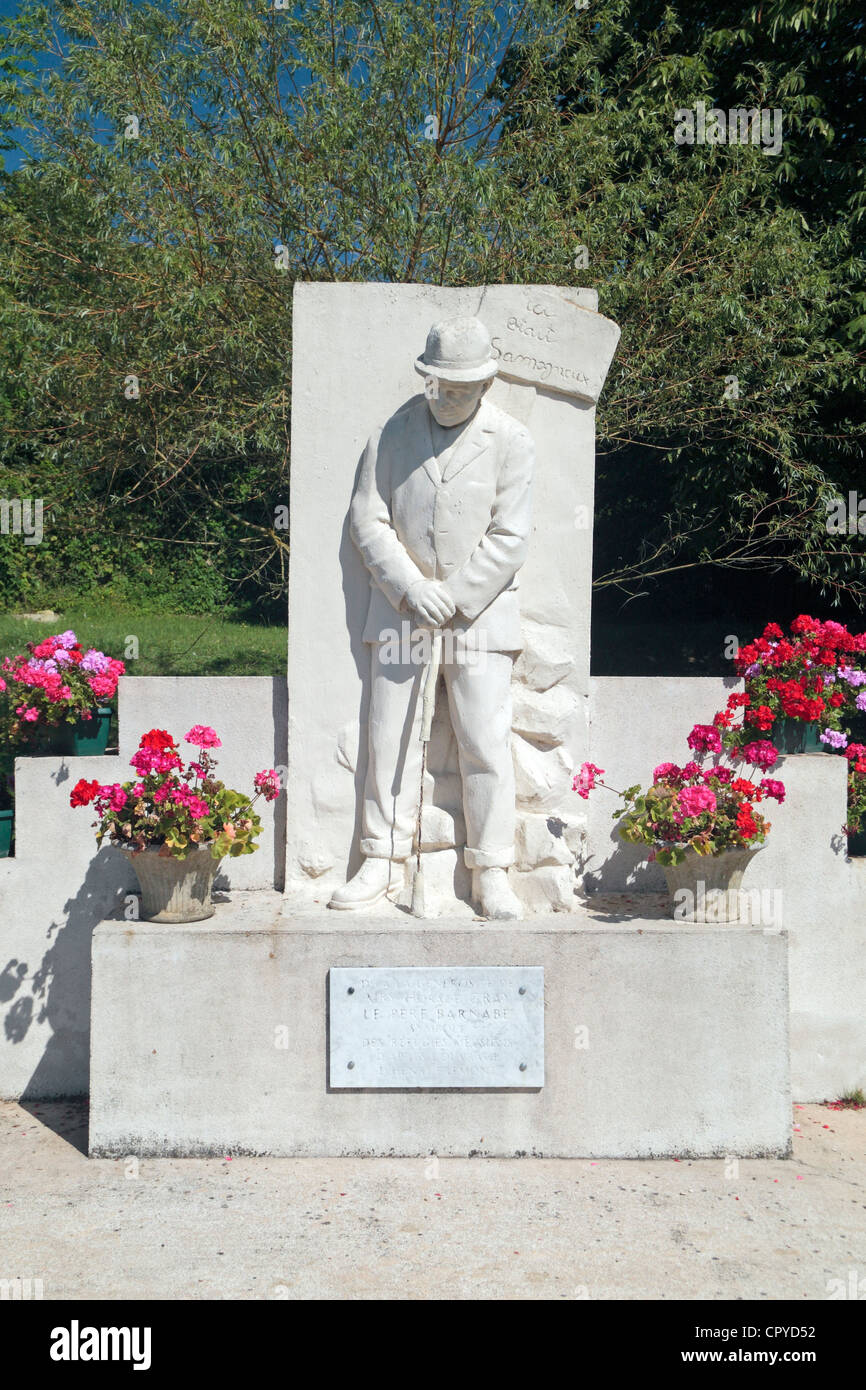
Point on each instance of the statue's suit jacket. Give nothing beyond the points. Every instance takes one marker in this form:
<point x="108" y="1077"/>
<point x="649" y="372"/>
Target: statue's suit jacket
<point x="467" y="526"/>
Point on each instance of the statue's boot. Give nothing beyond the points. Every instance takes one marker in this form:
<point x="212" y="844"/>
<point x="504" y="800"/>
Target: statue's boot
<point x="495" y="897"/>
<point x="369" y="885"/>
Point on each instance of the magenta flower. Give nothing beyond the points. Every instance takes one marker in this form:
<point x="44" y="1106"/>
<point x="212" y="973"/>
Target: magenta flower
<point x="774" y="789"/>
<point x="693" y="801"/>
<point x="584" y="780"/>
<point x="666" y="771"/>
<point x="114" y="795"/>
<point x="268" y="783"/>
<point x="705" y="738"/>
<point x="202" y="737"/>
<point x="761" y="754"/>
<point x="150" y="760"/>
<point x="103" y="685"/>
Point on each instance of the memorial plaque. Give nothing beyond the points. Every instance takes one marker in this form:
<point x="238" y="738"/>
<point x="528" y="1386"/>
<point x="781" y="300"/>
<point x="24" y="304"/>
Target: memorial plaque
<point x="419" y="1027"/>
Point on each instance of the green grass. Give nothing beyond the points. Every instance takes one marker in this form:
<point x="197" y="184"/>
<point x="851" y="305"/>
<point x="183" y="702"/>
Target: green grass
<point x="169" y="644"/>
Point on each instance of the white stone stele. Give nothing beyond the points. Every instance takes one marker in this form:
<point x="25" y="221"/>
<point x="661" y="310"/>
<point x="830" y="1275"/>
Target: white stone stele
<point x="660" y="1040"/>
<point x="465" y="1026"/>
<point x="354" y="346"/>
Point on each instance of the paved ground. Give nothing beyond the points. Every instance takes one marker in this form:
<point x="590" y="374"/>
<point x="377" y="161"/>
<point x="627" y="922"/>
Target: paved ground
<point x="257" y="1228"/>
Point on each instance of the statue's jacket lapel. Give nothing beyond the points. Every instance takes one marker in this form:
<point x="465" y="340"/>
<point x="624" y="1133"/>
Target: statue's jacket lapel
<point x="440" y="516"/>
<point x="467" y="524"/>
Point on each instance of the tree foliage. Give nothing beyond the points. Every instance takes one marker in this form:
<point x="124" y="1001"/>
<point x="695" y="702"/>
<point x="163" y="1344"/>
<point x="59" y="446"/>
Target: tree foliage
<point x="450" y="143"/>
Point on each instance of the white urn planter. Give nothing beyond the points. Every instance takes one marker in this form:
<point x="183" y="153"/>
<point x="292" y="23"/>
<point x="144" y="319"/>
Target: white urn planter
<point x="706" y="887"/>
<point x="175" y="890"/>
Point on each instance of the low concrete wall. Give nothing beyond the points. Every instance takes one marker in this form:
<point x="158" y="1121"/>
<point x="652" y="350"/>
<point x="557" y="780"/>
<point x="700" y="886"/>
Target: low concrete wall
<point x="802" y="870"/>
<point x="250" y="715"/>
<point x="634" y="726"/>
<point x="687" y="1033"/>
<point x="58" y="885"/>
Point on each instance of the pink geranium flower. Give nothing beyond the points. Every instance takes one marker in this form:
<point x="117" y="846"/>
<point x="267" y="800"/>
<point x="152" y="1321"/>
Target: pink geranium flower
<point x="149" y="760"/>
<point x="584" y="780"/>
<point x="268" y="783"/>
<point x="103" y="686"/>
<point x="114" y="795"/>
<point x="665" y="771"/>
<point x="761" y="754"/>
<point x="202" y="737"/>
<point x="693" y="801"/>
<point x="704" y="738"/>
<point x="773" y="788"/>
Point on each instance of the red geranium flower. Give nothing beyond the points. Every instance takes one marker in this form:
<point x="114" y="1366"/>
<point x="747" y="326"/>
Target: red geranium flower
<point x="83" y="792"/>
<point x="156" y="740"/>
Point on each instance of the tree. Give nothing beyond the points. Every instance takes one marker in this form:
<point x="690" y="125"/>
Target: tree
<point x="197" y="160"/>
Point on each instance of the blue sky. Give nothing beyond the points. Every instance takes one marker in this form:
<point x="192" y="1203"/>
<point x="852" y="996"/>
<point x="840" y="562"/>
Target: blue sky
<point x="12" y="158"/>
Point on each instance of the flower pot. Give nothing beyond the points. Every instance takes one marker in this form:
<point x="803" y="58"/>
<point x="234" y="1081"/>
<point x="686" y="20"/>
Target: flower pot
<point x="91" y="735"/>
<point x="857" y="844"/>
<point x="175" y="890"/>
<point x="797" y="736"/>
<point x="706" y="887"/>
<point x="82" y="738"/>
<point x="7" y="824"/>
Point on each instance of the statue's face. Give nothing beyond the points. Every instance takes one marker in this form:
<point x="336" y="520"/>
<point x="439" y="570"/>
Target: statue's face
<point x="456" y="401"/>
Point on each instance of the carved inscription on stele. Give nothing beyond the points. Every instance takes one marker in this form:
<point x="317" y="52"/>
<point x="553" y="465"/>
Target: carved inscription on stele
<point x="544" y="339"/>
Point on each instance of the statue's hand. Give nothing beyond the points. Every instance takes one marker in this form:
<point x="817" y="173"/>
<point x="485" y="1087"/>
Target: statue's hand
<point x="430" y="602"/>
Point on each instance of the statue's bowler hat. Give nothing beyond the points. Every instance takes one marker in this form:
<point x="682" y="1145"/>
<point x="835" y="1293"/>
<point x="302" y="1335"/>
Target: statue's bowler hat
<point x="458" y="350"/>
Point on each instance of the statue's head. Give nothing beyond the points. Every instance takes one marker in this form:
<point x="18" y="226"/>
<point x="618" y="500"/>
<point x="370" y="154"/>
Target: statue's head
<point x="458" y="366"/>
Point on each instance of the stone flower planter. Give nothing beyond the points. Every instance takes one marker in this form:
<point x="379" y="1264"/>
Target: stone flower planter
<point x="708" y="885"/>
<point x="175" y="890"/>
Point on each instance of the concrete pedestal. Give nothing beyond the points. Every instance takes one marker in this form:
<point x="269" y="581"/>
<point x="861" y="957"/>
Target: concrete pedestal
<point x="660" y="1039"/>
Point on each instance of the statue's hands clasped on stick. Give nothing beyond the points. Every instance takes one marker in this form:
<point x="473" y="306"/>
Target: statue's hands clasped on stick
<point x="430" y="603"/>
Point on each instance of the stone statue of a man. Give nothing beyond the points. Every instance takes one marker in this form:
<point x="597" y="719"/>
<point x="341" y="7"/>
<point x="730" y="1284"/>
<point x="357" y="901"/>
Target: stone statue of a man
<point x="441" y="516"/>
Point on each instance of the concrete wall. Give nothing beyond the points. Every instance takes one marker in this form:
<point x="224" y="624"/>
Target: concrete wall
<point x="683" y="1040"/>
<point x="803" y="867"/>
<point x="58" y="885"/>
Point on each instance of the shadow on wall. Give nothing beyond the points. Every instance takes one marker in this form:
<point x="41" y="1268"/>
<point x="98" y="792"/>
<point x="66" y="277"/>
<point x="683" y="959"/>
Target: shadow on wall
<point x="60" y="985"/>
<point x="356" y="597"/>
<point x="279" y="705"/>
<point x="625" y="868"/>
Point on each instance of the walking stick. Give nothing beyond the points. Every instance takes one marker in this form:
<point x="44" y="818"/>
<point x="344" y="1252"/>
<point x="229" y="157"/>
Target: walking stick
<point x="431" y="677"/>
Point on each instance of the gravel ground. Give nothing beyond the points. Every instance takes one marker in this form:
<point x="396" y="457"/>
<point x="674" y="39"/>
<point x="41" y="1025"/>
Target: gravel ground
<point x="259" y="1228"/>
